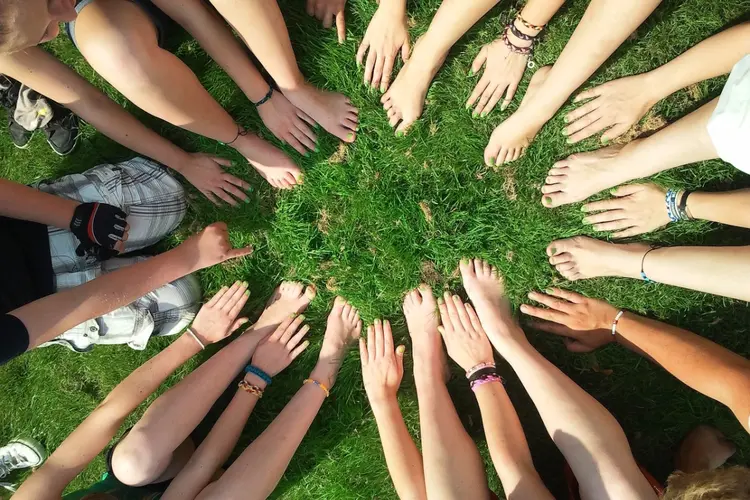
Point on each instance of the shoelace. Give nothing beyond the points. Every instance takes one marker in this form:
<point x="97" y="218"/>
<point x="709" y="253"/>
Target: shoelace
<point x="9" y="462"/>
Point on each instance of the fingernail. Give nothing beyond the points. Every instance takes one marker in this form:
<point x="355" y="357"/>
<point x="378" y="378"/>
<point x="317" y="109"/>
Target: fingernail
<point x="301" y="316"/>
<point x="245" y="284"/>
<point x="382" y="89"/>
<point x="605" y="140"/>
<point x="471" y="72"/>
<point x="585" y="220"/>
<point x="247" y="292"/>
<point x="583" y="208"/>
<point x="569" y="141"/>
<point x="484" y="113"/>
<point x="474" y="114"/>
<point x="467" y="105"/>
<point x="612" y="191"/>
<point x="293" y="315"/>
<point x="565" y="131"/>
<point x="307" y="153"/>
<point x="524" y="307"/>
<point x="503" y="107"/>
<point x="247" y="200"/>
<point x="440" y="300"/>
<point x="548" y="291"/>
<point x="401" y="350"/>
<point x="305" y="344"/>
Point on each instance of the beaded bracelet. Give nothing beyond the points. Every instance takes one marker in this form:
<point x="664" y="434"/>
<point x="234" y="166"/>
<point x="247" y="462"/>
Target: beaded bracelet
<point x="617" y="319"/>
<point x="482" y="372"/>
<point x="319" y="384"/>
<point x="251" y="389"/>
<point x="471" y="371"/>
<point x="528" y="24"/>
<point x="259" y="373"/>
<point x="266" y="98"/>
<point x="486" y="380"/>
<point x="643" y="261"/>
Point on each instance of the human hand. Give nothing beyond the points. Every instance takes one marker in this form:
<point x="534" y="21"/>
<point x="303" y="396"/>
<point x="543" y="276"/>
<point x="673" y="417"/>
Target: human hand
<point x="382" y="366"/>
<point x="328" y="10"/>
<point x="218" y="317"/>
<point x="283" y="346"/>
<point x="635" y="209"/>
<point x="288" y="123"/>
<point x="205" y="173"/>
<point x="101" y="230"/>
<point x="386" y="35"/>
<point x="211" y="246"/>
<point x="585" y="323"/>
<point x="615" y="105"/>
<point x="465" y="340"/>
<point x="502" y="73"/>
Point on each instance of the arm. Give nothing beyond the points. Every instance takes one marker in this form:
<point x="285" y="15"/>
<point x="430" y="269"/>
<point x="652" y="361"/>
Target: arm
<point x="272" y="356"/>
<point x="382" y="371"/>
<point x="50" y="316"/>
<point x="726" y="208"/>
<point x="22" y="202"/>
<point x="95" y="433"/>
<point x="699" y="363"/>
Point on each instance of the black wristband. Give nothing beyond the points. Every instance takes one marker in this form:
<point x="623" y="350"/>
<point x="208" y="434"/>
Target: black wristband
<point x="98" y="227"/>
<point x="682" y="206"/>
<point x="490" y="370"/>
<point x="266" y="98"/>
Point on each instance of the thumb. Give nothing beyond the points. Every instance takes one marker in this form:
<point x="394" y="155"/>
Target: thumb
<point x="406" y="50"/>
<point x="238" y="324"/>
<point x="577" y="346"/>
<point x="400" y="350"/>
<point x="626" y="190"/>
<point x="341" y="26"/>
<point x="239" y="252"/>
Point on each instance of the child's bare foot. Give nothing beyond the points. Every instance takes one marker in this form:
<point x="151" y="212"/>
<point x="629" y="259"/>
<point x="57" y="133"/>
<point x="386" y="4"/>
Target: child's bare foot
<point x="704" y="448"/>
<point x="333" y="111"/>
<point x="582" y="258"/>
<point x="343" y="328"/>
<point x="584" y="174"/>
<point x="275" y="167"/>
<point x="484" y="286"/>
<point x="289" y="298"/>
<point x="404" y="101"/>
<point x="510" y="139"/>
<point x="423" y="319"/>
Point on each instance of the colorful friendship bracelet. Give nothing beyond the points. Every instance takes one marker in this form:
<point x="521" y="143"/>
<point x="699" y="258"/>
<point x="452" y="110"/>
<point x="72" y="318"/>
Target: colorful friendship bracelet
<point x="482" y="372"/>
<point x="195" y="337"/>
<point x="486" y="380"/>
<point x="676" y="202"/>
<point x="528" y="24"/>
<point x="617" y="319"/>
<point x="259" y="373"/>
<point x="471" y="371"/>
<point x="250" y="389"/>
<point x="319" y="384"/>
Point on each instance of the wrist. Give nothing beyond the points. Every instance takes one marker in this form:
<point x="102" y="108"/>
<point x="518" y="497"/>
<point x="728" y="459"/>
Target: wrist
<point x="393" y="7"/>
<point x="177" y="159"/>
<point x="655" y="86"/>
<point x="325" y="373"/>
<point x="381" y="399"/>
<point x="253" y="379"/>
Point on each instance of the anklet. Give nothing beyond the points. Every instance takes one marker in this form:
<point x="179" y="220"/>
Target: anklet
<point x="643" y="261"/>
<point x="240" y="132"/>
<point x="266" y="98"/>
<point x="614" y="323"/>
<point x="315" y="382"/>
<point x="195" y="337"/>
<point x="528" y="24"/>
<point x="251" y="389"/>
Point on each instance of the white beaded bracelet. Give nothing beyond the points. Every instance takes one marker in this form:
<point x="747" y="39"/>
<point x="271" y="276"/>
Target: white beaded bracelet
<point x="614" y="323"/>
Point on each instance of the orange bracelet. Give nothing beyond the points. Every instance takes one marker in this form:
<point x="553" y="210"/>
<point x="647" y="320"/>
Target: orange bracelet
<point x="251" y="389"/>
<point x="322" y="386"/>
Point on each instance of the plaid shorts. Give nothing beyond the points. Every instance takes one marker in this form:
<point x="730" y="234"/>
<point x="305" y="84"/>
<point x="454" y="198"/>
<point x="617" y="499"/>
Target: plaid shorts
<point x="155" y="204"/>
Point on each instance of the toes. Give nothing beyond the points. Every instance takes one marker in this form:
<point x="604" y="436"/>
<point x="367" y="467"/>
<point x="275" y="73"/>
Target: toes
<point x="310" y="292"/>
<point x="425" y="292"/>
<point x="416" y="298"/>
<point x="553" y="200"/>
<point x="338" y="304"/>
<point x="494" y="272"/>
<point x="559" y="246"/>
<point x="292" y="288"/>
<point x="346" y="310"/>
<point x="478" y="267"/>
<point x="486" y="268"/>
<point x="467" y="268"/>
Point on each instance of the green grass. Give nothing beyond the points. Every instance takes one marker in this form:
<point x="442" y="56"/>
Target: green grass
<point x="356" y="226"/>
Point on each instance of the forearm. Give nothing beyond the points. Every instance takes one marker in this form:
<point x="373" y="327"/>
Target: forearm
<point x="452" y="20"/>
<point x="507" y="444"/>
<point x="217" y="40"/>
<point x="726" y="208"/>
<point x="699" y="363"/>
<point x="50" y="316"/>
<point x="22" y="202"/>
<point x="401" y="454"/>
<point x="539" y="12"/>
<point x="712" y="57"/>
<point x="214" y="450"/>
<point x="589" y="437"/>
<point x="255" y="474"/>
<point x="95" y="433"/>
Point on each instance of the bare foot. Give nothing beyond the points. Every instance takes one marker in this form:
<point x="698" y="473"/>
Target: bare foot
<point x="275" y="167"/>
<point x="486" y="290"/>
<point x="343" y="328"/>
<point x="423" y="319"/>
<point x="510" y="139"/>
<point x="584" y="174"/>
<point x="582" y="258"/>
<point x="704" y="448"/>
<point x="333" y="111"/>
<point x="289" y="298"/>
<point x="404" y="101"/>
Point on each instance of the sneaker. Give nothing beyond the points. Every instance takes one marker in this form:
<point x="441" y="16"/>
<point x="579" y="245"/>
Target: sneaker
<point x="8" y="99"/>
<point x="62" y="130"/>
<point x="20" y="454"/>
<point x="19" y="135"/>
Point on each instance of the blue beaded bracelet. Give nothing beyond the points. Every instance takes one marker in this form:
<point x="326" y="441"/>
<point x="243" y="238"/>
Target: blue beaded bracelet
<point x="258" y="373"/>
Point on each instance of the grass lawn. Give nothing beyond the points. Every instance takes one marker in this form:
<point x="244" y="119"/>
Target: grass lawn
<point x="378" y="217"/>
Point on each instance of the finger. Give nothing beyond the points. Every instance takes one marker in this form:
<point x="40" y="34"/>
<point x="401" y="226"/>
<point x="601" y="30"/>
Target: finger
<point x="474" y="319"/>
<point x="211" y="197"/>
<point x="615" y="132"/>
<point x="461" y="313"/>
<point x="224" y="196"/>
<point x="238" y="323"/>
<point x="633" y="231"/>
<point x="305" y="124"/>
<point x="361" y="51"/>
<point x="450" y="308"/>
<point x="231" y="189"/>
<point x="406" y="49"/>
<point x="379" y="340"/>
<point x="371" y="342"/>
<point x="576" y="346"/>
<point x="236" y="181"/>
<point x="589" y="94"/>
<point x="573" y="297"/>
<point x="400" y="350"/>
<point x="608" y="216"/>
<point x="221" y="161"/>
<point x="596" y="126"/>
<point x="297" y="338"/>
<point x="581" y="111"/>
<point x="387" y="71"/>
<point x="299" y="350"/>
<point x="603" y="205"/>
<point x="486" y="96"/>
<point x="291" y="329"/>
<point x="370" y="65"/>
<point x="310" y="7"/>
<point x="363" y="356"/>
<point x="584" y="122"/>
<point x="239" y="304"/>
<point x="228" y="295"/>
<point x="239" y="252"/>
<point x="479" y="61"/>
<point x="615" y="225"/>
<point x="216" y="297"/>
<point x="444" y="317"/>
<point x="512" y="88"/>
<point x="546" y="314"/>
<point x="478" y="91"/>
<point x="377" y="72"/>
<point x="341" y="25"/>
<point x="328" y="19"/>
<point x="387" y="338"/>
<point x="628" y="189"/>
<point x="494" y="99"/>
<point x="551" y="302"/>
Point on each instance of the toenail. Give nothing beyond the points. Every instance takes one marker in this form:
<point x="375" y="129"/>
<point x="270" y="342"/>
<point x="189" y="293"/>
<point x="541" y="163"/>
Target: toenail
<point x="400" y="133"/>
<point x="553" y="250"/>
<point x="569" y="141"/>
<point x="492" y="161"/>
<point x="548" y="200"/>
<point x="484" y="113"/>
<point x="350" y="136"/>
<point x="440" y="300"/>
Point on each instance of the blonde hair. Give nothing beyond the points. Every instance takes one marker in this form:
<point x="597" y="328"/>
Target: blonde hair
<point x="9" y="14"/>
<point x="730" y="483"/>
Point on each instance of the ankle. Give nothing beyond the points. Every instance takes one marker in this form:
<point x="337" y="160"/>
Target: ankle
<point x="293" y="83"/>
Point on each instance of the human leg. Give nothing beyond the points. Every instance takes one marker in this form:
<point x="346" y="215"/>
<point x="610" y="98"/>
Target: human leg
<point x="584" y="174"/>
<point x="452" y="465"/>
<point x="604" y="26"/>
<point x="149" y="449"/>
<point x="718" y="270"/>
<point x="266" y="35"/>
<point x="589" y="437"/>
<point x="119" y="40"/>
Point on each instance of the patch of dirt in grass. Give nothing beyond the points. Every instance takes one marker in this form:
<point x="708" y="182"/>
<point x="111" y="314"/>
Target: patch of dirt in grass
<point x="324" y="221"/>
<point x="433" y="128"/>
<point x="650" y="124"/>
<point x="340" y="155"/>
<point x="509" y="183"/>
<point x="695" y="92"/>
<point x="429" y="274"/>
<point x="426" y="211"/>
<point x="509" y="256"/>
<point x="331" y="284"/>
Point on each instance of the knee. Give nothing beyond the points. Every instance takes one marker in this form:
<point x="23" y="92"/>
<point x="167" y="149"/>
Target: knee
<point x="135" y="462"/>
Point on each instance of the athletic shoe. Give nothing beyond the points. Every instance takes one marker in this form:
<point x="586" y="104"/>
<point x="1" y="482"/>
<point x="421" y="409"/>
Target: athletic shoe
<point x="8" y="99"/>
<point x="20" y="454"/>
<point x="62" y="130"/>
<point x="19" y="135"/>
